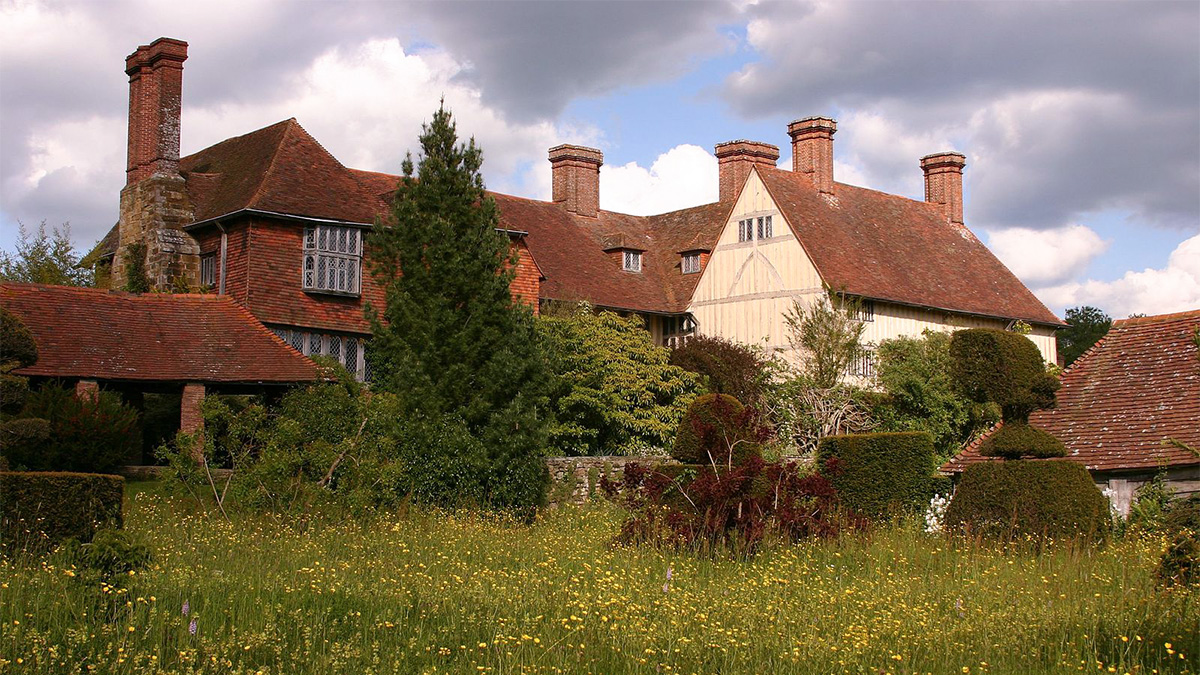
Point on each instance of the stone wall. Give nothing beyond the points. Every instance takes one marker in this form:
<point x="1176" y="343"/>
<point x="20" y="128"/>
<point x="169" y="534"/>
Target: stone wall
<point x="576" y="480"/>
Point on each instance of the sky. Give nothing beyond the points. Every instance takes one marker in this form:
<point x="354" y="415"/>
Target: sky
<point x="1080" y="121"/>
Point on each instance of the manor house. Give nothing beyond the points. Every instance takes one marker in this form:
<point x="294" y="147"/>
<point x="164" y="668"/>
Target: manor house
<point x="274" y="221"/>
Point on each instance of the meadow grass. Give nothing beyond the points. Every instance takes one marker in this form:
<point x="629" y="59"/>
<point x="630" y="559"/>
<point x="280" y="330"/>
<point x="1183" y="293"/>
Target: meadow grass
<point x="435" y="593"/>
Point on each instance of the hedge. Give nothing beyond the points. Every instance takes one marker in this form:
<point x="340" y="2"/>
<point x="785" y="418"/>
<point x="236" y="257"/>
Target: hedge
<point x="1037" y="498"/>
<point x="40" y="509"/>
<point x="880" y="474"/>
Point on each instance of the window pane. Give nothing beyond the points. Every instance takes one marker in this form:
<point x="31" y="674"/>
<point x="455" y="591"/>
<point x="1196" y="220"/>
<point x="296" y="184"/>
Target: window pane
<point x="296" y="340"/>
<point x="335" y="347"/>
<point x="769" y="229"/>
<point x="310" y="238"/>
<point x="314" y="343"/>
<point x="351" y="359"/>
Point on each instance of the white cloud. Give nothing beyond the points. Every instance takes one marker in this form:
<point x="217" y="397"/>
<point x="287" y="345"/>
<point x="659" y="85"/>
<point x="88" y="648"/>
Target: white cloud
<point x="685" y="175"/>
<point x="1047" y="257"/>
<point x="1174" y="288"/>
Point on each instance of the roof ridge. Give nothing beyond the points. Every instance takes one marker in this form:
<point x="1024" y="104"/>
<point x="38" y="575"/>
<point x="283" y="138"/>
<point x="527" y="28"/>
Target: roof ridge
<point x="262" y="181"/>
<point x="1157" y="318"/>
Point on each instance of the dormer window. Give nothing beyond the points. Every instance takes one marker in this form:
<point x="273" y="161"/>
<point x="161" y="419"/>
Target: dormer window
<point x="690" y="263"/>
<point x="632" y="261"/>
<point x="332" y="259"/>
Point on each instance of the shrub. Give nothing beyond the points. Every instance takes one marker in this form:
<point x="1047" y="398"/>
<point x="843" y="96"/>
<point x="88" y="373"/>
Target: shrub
<point x="39" y="509"/>
<point x="614" y="391"/>
<point x="718" y="430"/>
<point x="1006" y="368"/>
<point x="90" y="435"/>
<point x="110" y="554"/>
<point x="1015" y="440"/>
<point x="881" y="474"/>
<point x="17" y="346"/>
<point x="1041" y="499"/>
<point x="920" y="395"/>
<point x="1180" y="563"/>
<point x="724" y="366"/>
<point x="733" y="510"/>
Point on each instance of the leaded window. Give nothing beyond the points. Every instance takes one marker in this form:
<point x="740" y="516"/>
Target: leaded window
<point x="350" y="351"/>
<point x="208" y="269"/>
<point x="633" y="261"/>
<point x="332" y="259"/>
<point x="691" y="263"/>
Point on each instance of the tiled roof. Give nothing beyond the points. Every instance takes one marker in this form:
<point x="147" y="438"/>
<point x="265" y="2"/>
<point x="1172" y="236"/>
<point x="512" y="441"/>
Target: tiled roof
<point x="863" y="242"/>
<point x="1120" y="401"/>
<point x="109" y="335"/>
<point x="887" y="247"/>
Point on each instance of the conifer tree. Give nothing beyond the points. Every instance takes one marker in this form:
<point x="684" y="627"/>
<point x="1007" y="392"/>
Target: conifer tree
<point x="451" y="342"/>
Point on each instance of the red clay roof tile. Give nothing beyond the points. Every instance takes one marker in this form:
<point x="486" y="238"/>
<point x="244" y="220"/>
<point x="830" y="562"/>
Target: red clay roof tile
<point x="108" y="335"/>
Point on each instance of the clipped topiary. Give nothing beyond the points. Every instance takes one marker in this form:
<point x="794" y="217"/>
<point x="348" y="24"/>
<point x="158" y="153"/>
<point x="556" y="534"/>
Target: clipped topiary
<point x="40" y="509"/>
<point x="17" y="347"/>
<point x="1044" y="499"/>
<point x="717" y="429"/>
<point x="878" y="475"/>
<point x="995" y="366"/>
<point x="726" y="367"/>
<point x="1015" y="440"/>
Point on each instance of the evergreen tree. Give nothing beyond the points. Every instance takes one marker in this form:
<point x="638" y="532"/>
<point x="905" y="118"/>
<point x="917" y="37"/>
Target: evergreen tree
<point x="44" y="258"/>
<point x="1086" y="325"/>
<point x="451" y="342"/>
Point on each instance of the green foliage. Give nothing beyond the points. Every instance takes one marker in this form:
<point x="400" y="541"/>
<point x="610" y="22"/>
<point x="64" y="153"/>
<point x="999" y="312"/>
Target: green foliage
<point x="717" y="431"/>
<point x="879" y="475"/>
<point x="136" y="279"/>
<point x="450" y="341"/>
<point x="920" y="394"/>
<point x="826" y="338"/>
<point x="1005" y="368"/>
<point x="1040" y="499"/>
<point x="614" y="391"/>
<point x="44" y="259"/>
<point x="17" y="346"/>
<point x="17" y="350"/>
<point x="1085" y="326"/>
<point x="1015" y="440"/>
<point x="111" y="554"/>
<point x="87" y="434"/>
<point x="1148" y="512"/>
<point x="725" y="367"/>
<point x="40" y="509"/>
<point x="1180" y="563"/>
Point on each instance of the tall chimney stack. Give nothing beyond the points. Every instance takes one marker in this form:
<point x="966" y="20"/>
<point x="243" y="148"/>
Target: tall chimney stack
<point x="812" y="150"/>
<point x="155" y="205"/>
<point x="155" y="96"/>
<point x="943" y="182"/>
<point x="577" y="178"/>
<point x="735" y="159"/>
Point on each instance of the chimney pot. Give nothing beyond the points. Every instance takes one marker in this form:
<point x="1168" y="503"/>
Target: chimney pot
<point x="812" y="150"/>
<point x="735" y="160"/>
<point x="576" y="174"/>
<point x="943" y="182"/>
<point x="155" y="98"/>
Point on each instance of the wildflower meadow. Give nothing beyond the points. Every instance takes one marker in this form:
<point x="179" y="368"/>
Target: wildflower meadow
<point x="424" y="592"/>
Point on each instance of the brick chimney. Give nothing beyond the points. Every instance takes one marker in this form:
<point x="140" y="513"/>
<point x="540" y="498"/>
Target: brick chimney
<point x="735" y="159"/>
<point x="943" y="182"/>
<point x="812" y="150"/>
<point x="577" y="178"/>
<point x="155" y="205"/>
<point x="155" y="93"/>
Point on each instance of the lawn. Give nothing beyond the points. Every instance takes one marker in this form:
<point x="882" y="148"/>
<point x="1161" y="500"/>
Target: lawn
<point x="426" y="593"/>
